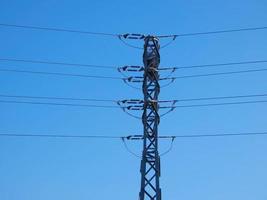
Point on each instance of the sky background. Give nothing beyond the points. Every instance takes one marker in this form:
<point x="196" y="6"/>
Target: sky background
<point x="205" y="169"/>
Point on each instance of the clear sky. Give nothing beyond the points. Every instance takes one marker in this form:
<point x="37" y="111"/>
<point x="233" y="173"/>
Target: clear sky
<point x="205" y="169"/>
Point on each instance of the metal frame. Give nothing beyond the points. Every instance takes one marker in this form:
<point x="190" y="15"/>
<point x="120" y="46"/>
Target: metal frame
<point x="150" y="164"/>
<point x="150" y="106"/>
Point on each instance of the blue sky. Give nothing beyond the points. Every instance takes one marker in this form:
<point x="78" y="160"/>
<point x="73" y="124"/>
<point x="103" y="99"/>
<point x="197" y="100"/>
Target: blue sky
<point x="211" y="168"/>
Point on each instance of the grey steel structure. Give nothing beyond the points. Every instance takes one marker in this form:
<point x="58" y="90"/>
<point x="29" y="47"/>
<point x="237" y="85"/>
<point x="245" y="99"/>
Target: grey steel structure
<point x="150" y="164"/>
<point x="150" y="106"/>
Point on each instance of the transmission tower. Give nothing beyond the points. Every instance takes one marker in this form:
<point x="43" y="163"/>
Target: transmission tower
<point x="150" y="164"/>
<point x="150" y="106"/>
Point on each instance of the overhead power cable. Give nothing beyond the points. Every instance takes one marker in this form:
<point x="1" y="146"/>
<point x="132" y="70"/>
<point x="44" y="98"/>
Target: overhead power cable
<point x="60" y="74"/>
<point x="132" y="137"/>
<point x="115" y="67"/>
<point x="222" y="64"/>
<point x="125" y="108"/>
<point x="59" y="63"/>
<point x="221" y="97"/>
<point x="57" y="98"/>
<point x="58" y="104"/>
<point x="115" y="101"/>
<point x="61" y="136"/>
<point x="138" y="79"/>
<point x="119" y="78"/>
<point x="215" y="135"/>
<point x="220" y="104"/>
<point x="217" y="74"/>
<point x="140" y="36"/>
<point x="215" y="32"/>
<point x="59" y="30"/>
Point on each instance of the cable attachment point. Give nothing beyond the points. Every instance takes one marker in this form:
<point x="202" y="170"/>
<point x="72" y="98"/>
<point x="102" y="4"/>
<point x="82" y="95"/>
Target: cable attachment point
<point x="129" y="78"/>
<point x="132" y="104"/>
<point x="138" y="105"/>
<point x="131" y="68"/>
<point x="133" y="36"/>
<point x="134" y="79"/>
<point x="135" y="137"/>
<point x="125" y="106"/>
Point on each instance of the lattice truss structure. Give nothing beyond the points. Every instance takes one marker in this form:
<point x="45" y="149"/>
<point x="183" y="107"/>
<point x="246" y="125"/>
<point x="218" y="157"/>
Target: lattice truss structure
<point x="150" y="164"/>
<point x="150" y="107"/>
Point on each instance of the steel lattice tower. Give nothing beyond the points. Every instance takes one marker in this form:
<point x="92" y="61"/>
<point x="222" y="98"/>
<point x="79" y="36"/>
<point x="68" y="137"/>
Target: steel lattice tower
<point x="150" y="164"/>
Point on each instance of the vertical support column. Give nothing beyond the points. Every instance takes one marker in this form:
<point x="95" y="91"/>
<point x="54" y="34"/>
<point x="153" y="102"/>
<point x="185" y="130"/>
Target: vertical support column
<point x="150" y="164"/>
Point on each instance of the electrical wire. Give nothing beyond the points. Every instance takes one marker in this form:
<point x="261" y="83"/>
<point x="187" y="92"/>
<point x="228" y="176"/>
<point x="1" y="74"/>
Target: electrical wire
<point x="115" y="101"/>
<point x="120" y="78"/>
<point x="214" y="135"/>
<point x="170" y="148"/>
<point x="59" y="30"/>
<point x="114" y="67"/>
<point x="214" y="74"/>
<point x="61" y="136"/>
<point x="141" y="48"/>
<point x="60" y="74"/>
<point x="130" y="45"/>
<point x="220" y="104"/>
<point x="222" y="64"/>
<point x="214" y="32"/>
<point x="129" y="150"/>
<point x="58" y="104"/>
<point x="57" y="98"/>
<point x="222" y="97"/>
<point x="123" y="138"/>
<point x="59" y="63"/>
<point x="5" y="134"/>
<point x="109" y="100"/>
<point x="120" y="35"/>
<point x="218" y="74"/>
<point x="125" y="108"/>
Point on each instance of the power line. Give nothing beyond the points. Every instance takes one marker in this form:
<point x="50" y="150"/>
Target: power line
<point x="107" y="106"/>
<point x="132" y="137"/>
<point x="59" y="30"/>
<point x="216" y="135"/>
<point x="140" y="137"/>
<point x="215" y="32"/>
<point x="119" y="78"/>
<point x="59" y="63"/>
<point x="61" y="136"/>
<point x="120" y="35"/>
<point x="217" y="74"/>
<point x="57" y="98"/>
<point x="221" y="97"/>
<point x="58" y="104"/>
<point x="222" y="64"/>
<point x="114" y="67"/>
<point x="60" y="74"/>
<point x="172" y="107"/>
<point x="220" y="104"/>
<point x="115" y="101"/>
